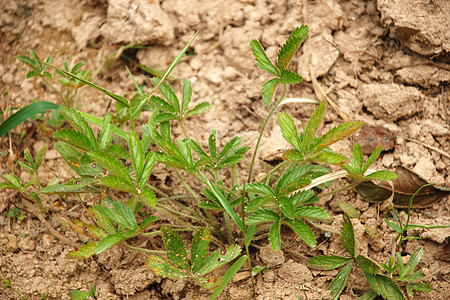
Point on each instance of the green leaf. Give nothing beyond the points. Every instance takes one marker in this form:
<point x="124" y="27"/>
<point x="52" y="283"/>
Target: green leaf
<point x="73" y="138"/>
<point x="328" y="157"/>
<point x="312" y="212"/>
<point x="118" y="183"/>
<point x="137" y="154"/>
<point x="79" y="295"/>
<point x="286" y="207"/>
<point x="413" y="261"/>
<point x="176" y="251"/>
<point x="216" y="260"/>
<point x="348" y="209"/>
<point x="168" y="93"/>
<point x="275" y="236"/>
<point x="111" y="164"/>
<point x="262" y="61"/>
<point x="419" y="286"/>
<point x="111" y="240"/>
<point x="119" y="213"/>
<point x="338" y="284"/>
<point x="186" y="94"/>
<point x="369" y="295"/>
<point x="348" y="236"/>
<point x="148" y="197"/>
<point x="367" y="265"/>
<point x="293" y="155"/>
<point x="289" y="77"/>
<point x="384" y="286"/>
<point x="23" y="114"/>
<point x="262" y="215"/>
<point x="14" y="181"/>
<point x="149" y="163"/>
<point x="373" y="156"/>
<point x="394" y="226"/>
<point x="105" y="136"/>
<point x="162" y="267"/>
<point x="292" y="44"/>
<point x="328" y="262"/>
<point x="289" y="131"/>
<point x="147" y="221"/>
<point x="76" y="185"/>
<point x="302" y="230"/>
<point x="79" y="123"/>
<point x="212" y="144"/>
<point x="258" y="203"/>
<point x="228" y="276"/>
<point x="83" y="252"/>
<point x="336" y="134"/>
<point x="268" y="90"/>
<point x="311" y="128"/>
<point x="259" y="188"/>
<point x="251" y="229"/>
<point x="96" y="121"/>
<point x="198" y="109"/>
<point x="381" y="175"/>
<point x="356" y="159"/>
<point x="209" y="282"/>
<point x="199" y="249"/>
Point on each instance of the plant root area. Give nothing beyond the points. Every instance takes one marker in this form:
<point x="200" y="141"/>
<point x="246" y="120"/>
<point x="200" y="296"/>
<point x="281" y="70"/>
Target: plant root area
<point x="383" y="63"/>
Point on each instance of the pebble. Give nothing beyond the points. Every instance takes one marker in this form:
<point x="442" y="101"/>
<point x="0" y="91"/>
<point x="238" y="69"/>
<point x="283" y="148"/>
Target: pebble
<point x="13" y="243"/>
<point x="27" y="244"/>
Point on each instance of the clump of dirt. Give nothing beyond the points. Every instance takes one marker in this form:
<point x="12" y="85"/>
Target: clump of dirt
<point x="381" y="63"/>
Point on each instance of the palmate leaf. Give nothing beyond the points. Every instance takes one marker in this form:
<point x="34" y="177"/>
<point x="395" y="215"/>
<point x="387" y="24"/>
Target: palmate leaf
<point x="119" y="213"/>
<point x="312" y="126"/>
<point x="79" y="123"/>
<point x="338" y="284"/>
<point x="83" y="228"/>
<point x="413" y="261"/>
<point x="292" y="44"/>
<point x="303" y="231"/>
<point x="168" y="93"/>
<point x="149" y="163"/>
<point x="161" y="104"/>
<point x="259" y="188"/>
<point x="356" y="159"/>
<point x="162" y="267"/>
<point x="286" y="207"/>
<point x="111" y="164"/>
<point x="268" y="90"/>
<point x="328" y="262"/>
<point x="348" y="236"/>
<point x="373" y="156"/>
<point x="262" y="61"/>
<point x="257" y="203"/>
<point x="176" y="251"/>
<point x="199" y="249"/>
<point x="289" y="131"/>
<point x="336" y="134"/>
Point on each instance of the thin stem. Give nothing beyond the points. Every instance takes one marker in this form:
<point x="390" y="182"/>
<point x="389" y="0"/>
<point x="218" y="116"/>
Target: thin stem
<point x="168" y="212"/>
<point x="145" y="250"/>
<point x="181" y="214"/>
<point x="274" y="170"/>
<point x="53" y="88"/>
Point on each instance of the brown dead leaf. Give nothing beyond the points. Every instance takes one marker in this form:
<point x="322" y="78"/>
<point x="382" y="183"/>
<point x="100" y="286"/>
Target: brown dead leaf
<point x="405" y="186"/>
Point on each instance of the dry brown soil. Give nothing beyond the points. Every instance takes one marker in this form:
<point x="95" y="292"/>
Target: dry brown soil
<point x="384" y="62"/>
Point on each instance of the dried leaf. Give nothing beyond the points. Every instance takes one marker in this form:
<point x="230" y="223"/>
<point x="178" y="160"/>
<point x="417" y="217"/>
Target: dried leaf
<point x="405" y="185"/>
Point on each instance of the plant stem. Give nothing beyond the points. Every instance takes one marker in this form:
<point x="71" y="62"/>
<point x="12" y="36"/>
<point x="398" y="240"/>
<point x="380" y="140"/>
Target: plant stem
<point x="145" y="250"/>
<point x="53" y="88"/>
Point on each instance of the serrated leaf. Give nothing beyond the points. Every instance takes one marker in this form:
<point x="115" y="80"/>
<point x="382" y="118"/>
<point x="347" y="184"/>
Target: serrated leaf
<point x="303" y="231"/>
<point x="311" y="127"/>
<point x="295" y="185"/>
<point x="292" y="44"/>
<point x="79" y="123"/>
<point x="257" y="203"/>
<point x="289" y="131"/>
<point x="259" y="188"/>
<point x="105" y="135"/>
<point x="268" y="90"/>
<point x="356" y="158"/>
<point x="384" y="286"/>
<point x="381" y="175"/>
<point x="348" y="209"/>
<point x="367" y="265"/>
<point x="163" y="267"/>
<point x="176" y="251"/>
<point x="149" y="163"/>
<point x="168" y="93"/>
<point x="118" y="183"/>
<point x="216" y="260"/>
<point x="312" y="212"/>
<point x="83" y="252"/>
<point x="212" y="144"/>
<point x="198" y="109"/>
<point x="304" y="198"/>
<point x="419" y="286"/>
<point x="328" y="262"/>
<point x="263" y="215"/>
<point x="293" y="155"/>
<point x="119" y="213"/>
<point x="413" y="261"/>
<point x="147" y="221"/>
<point x="209" y="282"/>
<point x="338" y="284"/>
<point x="369" y="295"/>
<point x="39" y="157"/>
<point x="186" y="94"/>
<point x="262" y="61"/>
<point x="73" y="138"/>
<point x="79" y="295"/>
<point x="372" y="157"/>
<point x="336" y="134"/>
<point x="137" y="154"/>
<point x="286" y="207"/>
<point x="148" y="197"/>
<point x="161" y="104"/>
<point x="289" y="77"/>
<point x="14" y="180"/>
<point x="275" y="236"/>
<point x="76" y="185"/>
<point x="199" y="249"/>
<point x="83" y="228"/>
<point x="348" y="236"/>
<point x="328" y="157"/>
<point x="111" y="164"/>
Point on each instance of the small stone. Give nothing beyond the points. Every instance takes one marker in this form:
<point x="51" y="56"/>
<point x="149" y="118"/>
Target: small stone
<point x="271" y="257"/>
<point x="13" y="243"/>
<point x="27" y="244"/>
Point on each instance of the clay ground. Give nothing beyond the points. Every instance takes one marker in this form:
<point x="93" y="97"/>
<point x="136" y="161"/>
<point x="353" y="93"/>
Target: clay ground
<point x="383" y="63"/>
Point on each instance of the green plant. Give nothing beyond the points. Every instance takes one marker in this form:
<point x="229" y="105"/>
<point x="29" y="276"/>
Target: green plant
<point x="80" y="295"/>
<point x="114" y="166"/>
<point x="385" y="285"/>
